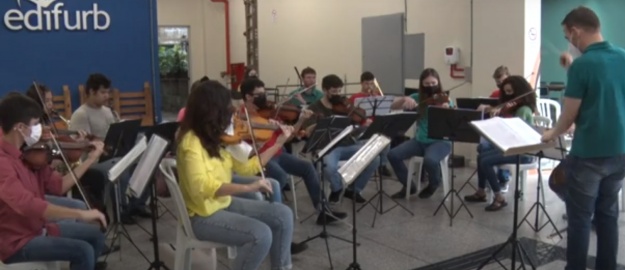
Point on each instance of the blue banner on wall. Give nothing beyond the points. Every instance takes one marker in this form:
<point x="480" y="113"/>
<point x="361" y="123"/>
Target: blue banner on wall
<point x="61" y="42"/>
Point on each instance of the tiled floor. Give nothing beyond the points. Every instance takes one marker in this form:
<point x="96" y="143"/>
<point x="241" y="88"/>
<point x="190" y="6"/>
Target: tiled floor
<point x="398" y="240"/>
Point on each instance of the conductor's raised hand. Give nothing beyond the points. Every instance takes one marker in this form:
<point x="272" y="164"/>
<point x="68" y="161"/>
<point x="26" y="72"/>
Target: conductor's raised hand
<point x="566" y="59"/>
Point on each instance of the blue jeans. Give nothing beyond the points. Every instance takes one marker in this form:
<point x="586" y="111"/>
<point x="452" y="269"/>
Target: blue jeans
<point x="592" y="187"/>
<point x="279" y="168"/>
<point x="432" y="153"/>
<point x="256" y="228"/>
<point x="486" y="162"/>
<point x="502" y="175"/>
<point x="66" y="202"/>
<point x="79" y="243"/>
<point x="331" y="163"/>
<point x="276" y="196"/>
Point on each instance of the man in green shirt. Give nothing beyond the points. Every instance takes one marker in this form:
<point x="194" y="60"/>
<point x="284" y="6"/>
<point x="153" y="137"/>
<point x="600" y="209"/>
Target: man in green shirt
<point x="312" y="95"/>
<point x="594" y="100"/>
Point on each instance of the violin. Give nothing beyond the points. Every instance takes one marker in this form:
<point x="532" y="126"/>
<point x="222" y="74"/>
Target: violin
<point x="284" y="112"/>
<point x="261" y="130"/>
<point x="437" y="99"/>
<point x="356" y="114"/>
<point x="507" y="108"/>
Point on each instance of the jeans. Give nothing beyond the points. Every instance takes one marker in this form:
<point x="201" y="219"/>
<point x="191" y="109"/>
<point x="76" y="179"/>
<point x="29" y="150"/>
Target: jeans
<point x="331" y="163"/>
<point x="128" y="204"/>
<point x="276" y="196"/>
<point x="432" y="153"/>
<point x="66" y="202"/>
<point x="592" y="187"/>
<point x="279" y="168"/>
<point x="486" y="162"/>
<point x="256" y="228"/>
<point x="502" y="175"/>
<point x="79" y="243"/>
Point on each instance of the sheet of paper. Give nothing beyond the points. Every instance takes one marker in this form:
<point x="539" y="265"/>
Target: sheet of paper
<point x="383" y="104"/>
<point x="240" y="152"/>
<point x="348" y="130"/>
<point x="508" y="133"/>
<point x="127" y="160"/>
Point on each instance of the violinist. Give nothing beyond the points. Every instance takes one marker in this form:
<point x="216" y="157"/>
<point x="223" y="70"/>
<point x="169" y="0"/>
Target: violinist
<point x="282" y="163"/>
<point x="95" y="117"/>
<point x="312" y="95"/>
<point x="433" y="151"/>
<point x="500" y="74"/>
<point x="489" y="156"/>
<point x="323" y="108"/>
<point x="26" y="233"/>
<point x="205" y="169"/>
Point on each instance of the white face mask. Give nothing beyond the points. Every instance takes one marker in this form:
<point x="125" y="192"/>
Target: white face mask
<point x="574" y="51"/>
<point x="35" y="135"/>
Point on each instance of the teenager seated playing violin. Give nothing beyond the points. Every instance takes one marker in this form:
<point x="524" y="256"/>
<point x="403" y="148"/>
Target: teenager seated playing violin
<point x="517" y="99"/>
<point x="433" y="151"/>
<point x="323" y="108"/>
<point x="282" y="163"/>
<point x="205" y="168"/>
<point x="26" y="233"/>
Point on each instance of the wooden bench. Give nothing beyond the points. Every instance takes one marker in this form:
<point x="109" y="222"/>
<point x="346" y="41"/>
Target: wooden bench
<point x="63" y="105"/>
<point x="130" y="105"/>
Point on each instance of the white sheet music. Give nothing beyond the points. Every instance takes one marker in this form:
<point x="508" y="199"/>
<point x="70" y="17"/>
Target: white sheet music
<point x="241" y="151"/>
<point x="127" y="160"/>
<point x="348" y="130"/>
<point x="511" y="135"/>
<point x="383" y="104"/>
<point x="148" y="162"/>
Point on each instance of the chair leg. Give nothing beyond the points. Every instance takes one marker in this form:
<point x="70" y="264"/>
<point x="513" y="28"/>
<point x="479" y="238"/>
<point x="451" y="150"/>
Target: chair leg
<point x="213" y="259"/>
<point x="622" y="200"/>
<point x="294" y="198"/>
<point x="182" y="258"/>
<point x="232" y="253"/>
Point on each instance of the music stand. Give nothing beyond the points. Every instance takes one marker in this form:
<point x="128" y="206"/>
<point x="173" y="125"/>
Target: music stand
<point x="375" y="105"/>
<point x="141" y="178"/>
<point x="474" y="103"/>
<point x="328" y="133"/>
<point x="388" y="126"/>
<point x="114" y="174"/>
<point x="120" y="138"/>
<point x="452" y="125"/>
<point x="166" y="131"/>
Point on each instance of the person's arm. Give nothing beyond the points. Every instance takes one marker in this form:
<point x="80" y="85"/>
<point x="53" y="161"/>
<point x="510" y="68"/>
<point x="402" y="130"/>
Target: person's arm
<point x="526" y="114"/>
<point x="406" y="102"/>
<point x="576" y="87"/>
<point x="79" y="121"/>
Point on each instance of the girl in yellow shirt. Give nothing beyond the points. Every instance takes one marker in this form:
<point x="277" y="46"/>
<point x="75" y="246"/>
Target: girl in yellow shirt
<point x="205" y="168"/>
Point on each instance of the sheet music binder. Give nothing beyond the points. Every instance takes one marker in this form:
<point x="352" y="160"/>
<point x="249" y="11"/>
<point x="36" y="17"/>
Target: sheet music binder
<point x="380" y="104"/>
<point x="127" y="160"/>
<point x="512" y="136"/>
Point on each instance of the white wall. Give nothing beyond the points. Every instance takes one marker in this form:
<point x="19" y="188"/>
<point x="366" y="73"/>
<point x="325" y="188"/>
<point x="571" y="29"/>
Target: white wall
<point x="207" y="33"/>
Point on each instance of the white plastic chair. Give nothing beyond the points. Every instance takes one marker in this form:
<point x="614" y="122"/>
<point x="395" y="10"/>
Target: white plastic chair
<point x="294" y="194"/>
<point x="415" y="169"/>
<point x="622" y="200"/>
<point x="544" y="108"/>
<point x="31" y="266"/>
<point x="185" y="238"/>
<point x="542" y="121"/>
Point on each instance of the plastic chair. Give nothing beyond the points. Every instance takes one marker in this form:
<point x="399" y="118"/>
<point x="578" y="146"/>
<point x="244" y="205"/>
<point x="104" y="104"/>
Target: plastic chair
<point x="415" y="168"/>
<point x="185" y="238"/>
<point x="544" y="107"/>
<point x="31" y="266"/>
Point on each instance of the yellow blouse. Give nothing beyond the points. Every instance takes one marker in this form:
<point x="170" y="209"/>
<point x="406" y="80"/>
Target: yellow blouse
<point x="200" y="175"/>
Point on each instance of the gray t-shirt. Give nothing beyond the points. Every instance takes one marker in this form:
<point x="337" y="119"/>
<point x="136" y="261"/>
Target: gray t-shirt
<point x="95" y="121"/>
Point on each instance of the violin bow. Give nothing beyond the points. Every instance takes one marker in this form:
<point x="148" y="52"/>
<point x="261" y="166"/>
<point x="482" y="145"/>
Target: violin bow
<point x="375" y="82"/>
<point x="500" y="106"/>
<point x="58" y="146"/>
<point x="260" y="164"/>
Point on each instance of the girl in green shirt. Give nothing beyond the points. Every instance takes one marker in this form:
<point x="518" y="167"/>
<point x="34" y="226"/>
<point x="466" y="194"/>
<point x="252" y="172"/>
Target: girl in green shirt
<point x="489" y="156"/>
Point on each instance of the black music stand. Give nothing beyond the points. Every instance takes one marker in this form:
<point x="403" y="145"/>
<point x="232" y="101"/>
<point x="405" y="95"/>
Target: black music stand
<point x="120" y="138"/>
<point x="389" y="126"/>
<point x="474" y="103"/>
<point x="452" y="125"/>
<point x="556" y="153"/>
<point x="325" y="133"/>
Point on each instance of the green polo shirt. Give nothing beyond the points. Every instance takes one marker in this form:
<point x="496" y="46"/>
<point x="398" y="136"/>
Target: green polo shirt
<point x="310" y="98"/>
<point x="597" y="79"/>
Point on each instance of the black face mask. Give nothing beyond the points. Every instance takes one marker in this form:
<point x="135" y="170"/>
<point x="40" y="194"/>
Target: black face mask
<point x="499" y="86"/>
<point x="260" y="101"/>
<point x="335" y="99"/>
<point x="430" y="90"/>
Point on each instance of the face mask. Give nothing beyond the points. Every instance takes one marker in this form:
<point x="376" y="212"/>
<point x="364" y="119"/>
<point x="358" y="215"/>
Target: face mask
<point x="335" y="99"/>
<point x="574" y="51"/>
<point x="499" y="86"/>
<point x="35" y="135"/>
<point x="260" y="101"/>
<point x="430" y="89"/>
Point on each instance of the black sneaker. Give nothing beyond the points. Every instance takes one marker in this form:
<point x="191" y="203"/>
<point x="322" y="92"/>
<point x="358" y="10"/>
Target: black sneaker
<point x="427" y="192"/>
<point x="100" y="265"/>
<point x="298" y="248"/>
<point x="386" y="172"/>
<point x="402" y="193"/>
<point x="335" y="196"/>
<point x="350" y="194"/>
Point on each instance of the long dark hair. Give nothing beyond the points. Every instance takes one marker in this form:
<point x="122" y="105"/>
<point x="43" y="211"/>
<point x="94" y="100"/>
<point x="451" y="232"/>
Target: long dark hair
<point x="520" y="86"/>
<point x="422" y="95"/>
<point x="208" y="114"/>
<point x="43" y="90"/>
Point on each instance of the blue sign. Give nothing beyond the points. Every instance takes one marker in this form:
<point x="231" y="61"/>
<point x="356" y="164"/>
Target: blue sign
<point x="61" y="42"/>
